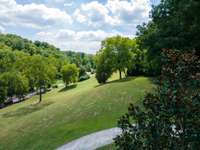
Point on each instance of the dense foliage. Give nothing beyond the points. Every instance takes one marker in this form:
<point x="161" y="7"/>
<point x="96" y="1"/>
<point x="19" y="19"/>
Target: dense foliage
<point x="13" y="83"/>
<point x="14" y="42"/>
<point x="170" y="118"/>
<point x="174" y="25"/>
<point x="21" y="73"/>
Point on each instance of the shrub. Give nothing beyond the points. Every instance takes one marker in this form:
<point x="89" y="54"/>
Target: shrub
<point x="55" y="86"/>
<point x="102" y="76"/>
<point x="83" y="74"/>
<point x="170" y="118"/>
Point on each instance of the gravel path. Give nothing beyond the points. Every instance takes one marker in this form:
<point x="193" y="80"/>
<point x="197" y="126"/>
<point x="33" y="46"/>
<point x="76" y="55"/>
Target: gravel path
<point x="92" y="141"/>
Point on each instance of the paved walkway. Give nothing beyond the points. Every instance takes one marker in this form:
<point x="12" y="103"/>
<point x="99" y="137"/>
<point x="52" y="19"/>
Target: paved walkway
<point x="92" y="141"/>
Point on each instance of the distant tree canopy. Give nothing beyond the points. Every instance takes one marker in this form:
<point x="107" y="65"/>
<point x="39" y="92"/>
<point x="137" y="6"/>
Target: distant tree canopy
<point x="81" y="60"/>
<point x="15" y="42"/>
<point x="27" y="66"/>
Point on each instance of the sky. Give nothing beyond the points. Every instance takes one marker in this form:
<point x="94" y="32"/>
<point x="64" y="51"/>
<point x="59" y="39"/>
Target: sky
<point x="78" y="25"/>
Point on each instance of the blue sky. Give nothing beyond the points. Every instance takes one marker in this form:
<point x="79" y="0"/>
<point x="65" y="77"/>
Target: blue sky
<point x="78" y="25"/>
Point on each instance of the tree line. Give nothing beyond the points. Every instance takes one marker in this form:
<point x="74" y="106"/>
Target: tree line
<point x="27" y="66"/>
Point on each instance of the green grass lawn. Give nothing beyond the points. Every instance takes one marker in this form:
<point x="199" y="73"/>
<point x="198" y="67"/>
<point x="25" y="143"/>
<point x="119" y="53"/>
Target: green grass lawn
<point x="108" y="147"/>
<point x="66" y="114"/>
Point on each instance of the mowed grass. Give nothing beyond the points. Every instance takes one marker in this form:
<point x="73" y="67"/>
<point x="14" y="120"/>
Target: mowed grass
<point x="108" y="147"/>
<point x="67" y="114"/>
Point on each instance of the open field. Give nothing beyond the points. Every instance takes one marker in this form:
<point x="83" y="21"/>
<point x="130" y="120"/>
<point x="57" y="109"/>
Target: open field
<point x="66" y="114"/>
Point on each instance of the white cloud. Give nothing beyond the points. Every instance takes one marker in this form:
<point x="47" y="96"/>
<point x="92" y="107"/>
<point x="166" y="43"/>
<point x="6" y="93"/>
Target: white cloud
<point x="80" y="40"/>
<point x="31" y="15"/>
<point x="2" y="29"/>
<point x="79" y="17"/>
<point x="71" y="40"/>
<point x="89" y="48"/>
<point x="113" y="13"/>
<point x="69" y="4"/>
<point x="95" y="14"/>
<point x="134" y="11"/>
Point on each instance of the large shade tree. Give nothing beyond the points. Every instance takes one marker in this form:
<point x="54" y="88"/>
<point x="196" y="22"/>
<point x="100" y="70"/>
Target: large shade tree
<point x="115" y="55"/>
<point x="121" y="47"/>
<point x="41" y="72"/>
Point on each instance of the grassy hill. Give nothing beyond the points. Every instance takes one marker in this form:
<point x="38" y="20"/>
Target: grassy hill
<point x="66" y="114"/>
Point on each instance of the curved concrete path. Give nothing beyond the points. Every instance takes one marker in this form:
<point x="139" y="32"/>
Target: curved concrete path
<point x="93" y="141"/>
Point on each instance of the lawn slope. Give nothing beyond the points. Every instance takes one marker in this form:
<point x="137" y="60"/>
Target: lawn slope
<point x="66" y="114"/>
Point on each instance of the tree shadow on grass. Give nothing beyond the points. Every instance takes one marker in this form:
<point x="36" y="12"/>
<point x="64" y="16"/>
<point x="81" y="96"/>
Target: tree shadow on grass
<point x="26" y="110"/>
<point x="118" y="81"/>
<point x="68" y="88"/>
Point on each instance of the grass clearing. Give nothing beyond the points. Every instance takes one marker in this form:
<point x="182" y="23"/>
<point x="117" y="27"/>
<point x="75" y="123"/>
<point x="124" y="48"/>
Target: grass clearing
<point x="67" y="114"/>
<point x="108" y="147"/>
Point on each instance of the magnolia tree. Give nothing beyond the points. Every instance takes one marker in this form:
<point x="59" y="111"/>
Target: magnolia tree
<point x="170" y="118"/>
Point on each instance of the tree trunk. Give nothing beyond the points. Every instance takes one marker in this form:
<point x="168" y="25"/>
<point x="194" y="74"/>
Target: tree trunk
<point x="125" y="73"/>
<point x="40" y="95"/>
<point x="65" y="84"/>
<point x="120" y="74"/>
